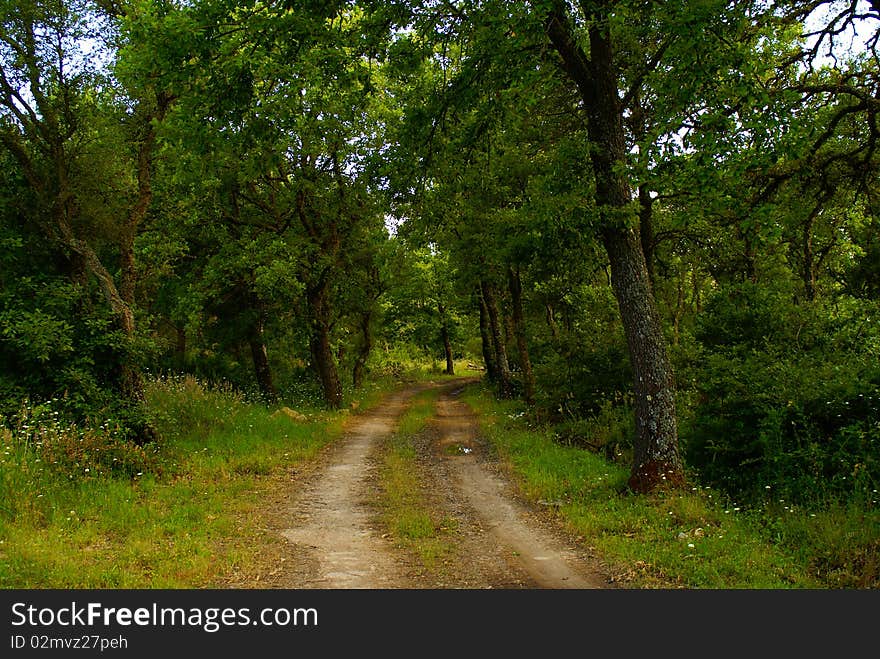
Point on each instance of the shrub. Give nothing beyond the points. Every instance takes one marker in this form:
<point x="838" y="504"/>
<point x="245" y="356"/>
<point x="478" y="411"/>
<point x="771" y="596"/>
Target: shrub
<point x="76" y="453"/>
<point x="787" y="396"/>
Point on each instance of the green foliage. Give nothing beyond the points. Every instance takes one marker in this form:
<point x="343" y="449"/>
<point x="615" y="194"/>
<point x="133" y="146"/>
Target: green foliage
<point x="79" y="508"/>
<point x="58" y="340"/>
<point x="691" y="539"/>
<point x="38" y="434"/>
<point x="285" y="137"/>
<point x="788" y="397"/>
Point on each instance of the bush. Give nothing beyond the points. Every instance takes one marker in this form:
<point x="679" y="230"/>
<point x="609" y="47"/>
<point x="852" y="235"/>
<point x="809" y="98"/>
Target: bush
<point x="787" y="396"/>
<point x="76" y="453"/>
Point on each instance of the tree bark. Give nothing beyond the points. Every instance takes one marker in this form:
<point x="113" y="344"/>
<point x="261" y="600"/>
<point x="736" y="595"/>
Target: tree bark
<point x="131" y="383"/>
<point x="697" y="284"/>
<point x="551" y="322"/>
<point x="655" y="450"/>
<point x="499" y="349"/>
<point x="646" y="229"/>
<point x="519" y="330"/>
<point x="444" y="335"/>
<point x="486" y="340"/>
<point x="319" y="343"/>
<point x="360" y="362"/>
<point x="180" y="347"/>
<point x="808" y="270"/>
<point x="262" y="370"/>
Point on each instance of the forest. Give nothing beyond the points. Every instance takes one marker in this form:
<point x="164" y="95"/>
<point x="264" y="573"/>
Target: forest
<point x="651" y="229"/>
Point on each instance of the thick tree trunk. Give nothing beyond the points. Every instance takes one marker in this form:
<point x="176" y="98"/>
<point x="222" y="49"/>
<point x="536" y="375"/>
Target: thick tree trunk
<point x="499" y="348"/>
<point x="486" y="340"/>
<point x="655" y="450"/>
<point x="444" y="335"/>
<point x="262" y="371"/>
<point x="319" y="344"/>
<point x="519" y="330"/>
<point x="360" y="362"/>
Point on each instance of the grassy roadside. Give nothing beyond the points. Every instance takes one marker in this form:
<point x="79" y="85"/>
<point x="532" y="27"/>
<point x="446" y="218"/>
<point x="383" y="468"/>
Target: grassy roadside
<point x="692" y="539"/>
<point x="406" y="509"/>
<point x="82" y="510"/>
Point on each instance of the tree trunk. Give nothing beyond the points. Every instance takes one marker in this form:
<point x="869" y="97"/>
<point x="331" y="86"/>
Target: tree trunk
<point x="697" y="284"/>
<point x="360" y="362"/>
<point x="499" y="349"/>
<point x="655" y="449"/>
<point x="486" y="340"/>
<point x="551" y="322"/>
<point x="751" y="269"/>
<point x="646" y="229"/>
<point x="262" y="371"/>
<point x="319" y="343"/>
<point x="444" y="334"/>
<point x="679" y="309"/>
<point x="131" y="384"/>
<point x="808" y="271"/>
<point x="519" y="329"/>
<point x="180" y="347"/>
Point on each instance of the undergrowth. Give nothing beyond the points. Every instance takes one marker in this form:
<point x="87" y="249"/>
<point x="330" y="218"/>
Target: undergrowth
<point x="693" y="538"/>
<point x="79" y="508"/>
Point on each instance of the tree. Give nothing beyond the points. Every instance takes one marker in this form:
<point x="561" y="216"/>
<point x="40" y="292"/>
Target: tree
<point x="277" y="128"/>
<point x="78" y="135"/>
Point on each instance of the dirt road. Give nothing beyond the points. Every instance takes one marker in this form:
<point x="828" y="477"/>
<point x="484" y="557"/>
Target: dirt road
<point x="334" y="535"/>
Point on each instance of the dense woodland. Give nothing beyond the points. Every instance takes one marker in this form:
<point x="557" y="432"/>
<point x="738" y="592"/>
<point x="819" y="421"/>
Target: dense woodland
<point x="658" y="224"/>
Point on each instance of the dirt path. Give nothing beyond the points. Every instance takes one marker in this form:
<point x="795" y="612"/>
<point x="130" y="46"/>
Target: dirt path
<point x="531" y="544"/>
<point x="335" y="539"/>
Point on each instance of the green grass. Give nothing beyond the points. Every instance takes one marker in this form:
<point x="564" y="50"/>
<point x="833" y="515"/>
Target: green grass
<point x="403" y="367"/>
<point x="406" y="504"/>
<point x="693" y="538"/>
<point x="180" y="515"/>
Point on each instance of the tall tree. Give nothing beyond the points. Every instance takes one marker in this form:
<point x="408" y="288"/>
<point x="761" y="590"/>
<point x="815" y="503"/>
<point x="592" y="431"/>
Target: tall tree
<point x="54" y="117"/>
<point x="595" y="73"/>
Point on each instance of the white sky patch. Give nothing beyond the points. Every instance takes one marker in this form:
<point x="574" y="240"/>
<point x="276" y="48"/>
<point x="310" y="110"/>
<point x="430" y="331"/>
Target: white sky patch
<point x="850" y="38"/>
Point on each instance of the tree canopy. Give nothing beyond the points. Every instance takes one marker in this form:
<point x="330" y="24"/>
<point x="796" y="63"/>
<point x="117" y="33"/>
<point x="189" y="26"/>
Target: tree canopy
<point x="655" y="224"/>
